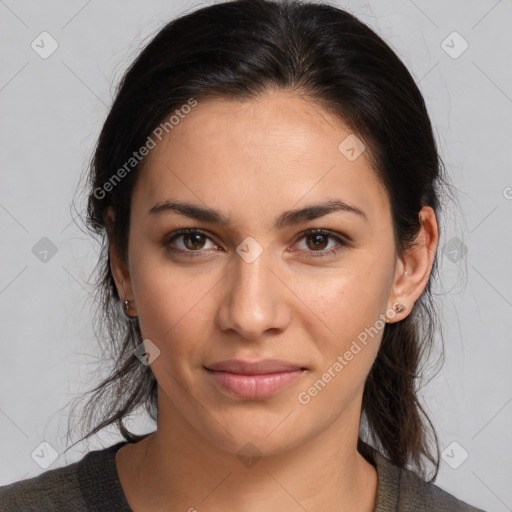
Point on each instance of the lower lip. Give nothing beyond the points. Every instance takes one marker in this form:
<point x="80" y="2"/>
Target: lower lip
<point x="254" y="386"/>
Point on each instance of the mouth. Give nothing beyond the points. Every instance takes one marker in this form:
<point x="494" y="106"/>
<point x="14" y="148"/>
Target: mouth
<point x="259" y="379"/>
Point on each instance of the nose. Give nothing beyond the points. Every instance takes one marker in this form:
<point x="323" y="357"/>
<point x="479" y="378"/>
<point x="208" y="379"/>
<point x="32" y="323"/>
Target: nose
<point x="255" y="300"/>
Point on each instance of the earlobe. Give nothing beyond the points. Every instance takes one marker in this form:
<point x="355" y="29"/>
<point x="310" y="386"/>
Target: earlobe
<point x="119" y="269"/>
<point x="414" y="268"/>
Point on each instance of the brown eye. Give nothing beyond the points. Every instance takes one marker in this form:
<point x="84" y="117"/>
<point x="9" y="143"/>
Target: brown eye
<point x="318" y="241"/>
<point x="193" y="241"/>
<point x="188" y="242"/>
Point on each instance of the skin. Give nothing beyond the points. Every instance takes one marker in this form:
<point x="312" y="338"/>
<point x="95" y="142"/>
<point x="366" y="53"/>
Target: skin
<point x="252" y="160"/>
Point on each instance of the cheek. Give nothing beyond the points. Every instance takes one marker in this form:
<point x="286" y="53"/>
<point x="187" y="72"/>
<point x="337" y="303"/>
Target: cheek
<point x="345" y="302"/>
<point x="171" y="305"/>
<point x="347" y="328"/>
<point x="347" y="332"/>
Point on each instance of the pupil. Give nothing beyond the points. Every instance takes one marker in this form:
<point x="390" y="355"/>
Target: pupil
<point x="195" y="240"/>
<point x="317" y="239"/>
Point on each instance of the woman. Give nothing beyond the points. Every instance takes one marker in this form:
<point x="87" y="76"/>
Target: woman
<point x="268" y="185"/>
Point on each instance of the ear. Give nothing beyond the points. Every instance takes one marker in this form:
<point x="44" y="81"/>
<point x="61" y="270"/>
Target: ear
<point x="118" y="267"/>
<point x="414" y="267"/>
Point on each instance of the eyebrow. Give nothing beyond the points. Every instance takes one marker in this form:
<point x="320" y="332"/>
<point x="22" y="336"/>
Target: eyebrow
<point x="288" y="218"/>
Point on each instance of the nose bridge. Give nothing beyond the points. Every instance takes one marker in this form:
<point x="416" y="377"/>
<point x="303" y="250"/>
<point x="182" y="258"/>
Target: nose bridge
<point x="252" y="302"/>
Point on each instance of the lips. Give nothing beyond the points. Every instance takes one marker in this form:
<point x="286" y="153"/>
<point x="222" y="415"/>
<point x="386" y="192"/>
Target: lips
<point x="260" y="379"/>
<point x="264" y="366"/>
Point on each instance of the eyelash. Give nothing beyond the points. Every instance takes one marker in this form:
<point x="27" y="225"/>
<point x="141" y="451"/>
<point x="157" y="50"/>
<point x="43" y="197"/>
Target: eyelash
<point x="166" y="242"/>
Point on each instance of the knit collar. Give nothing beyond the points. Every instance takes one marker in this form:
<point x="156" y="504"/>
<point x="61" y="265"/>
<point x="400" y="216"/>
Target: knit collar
<point x="91" y="476"/>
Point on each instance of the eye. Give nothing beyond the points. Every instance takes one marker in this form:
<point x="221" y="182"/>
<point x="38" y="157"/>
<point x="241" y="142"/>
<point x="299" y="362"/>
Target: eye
<point x="318" y="241"/>
<point x="192" y="241"/>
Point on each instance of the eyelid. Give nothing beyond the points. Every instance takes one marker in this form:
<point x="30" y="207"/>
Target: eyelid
<point x="327" y="232"/>
<point x="186" y="231"/>
<point x="343" y="242"/>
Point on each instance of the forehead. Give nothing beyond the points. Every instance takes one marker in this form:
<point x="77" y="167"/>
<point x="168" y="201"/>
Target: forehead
<point x="274" y="151"/>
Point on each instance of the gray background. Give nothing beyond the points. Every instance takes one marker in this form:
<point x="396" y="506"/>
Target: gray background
<point x="51" y="113"/>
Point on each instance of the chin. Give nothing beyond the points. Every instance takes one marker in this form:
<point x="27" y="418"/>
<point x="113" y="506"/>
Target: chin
<point x="245" y="437"/>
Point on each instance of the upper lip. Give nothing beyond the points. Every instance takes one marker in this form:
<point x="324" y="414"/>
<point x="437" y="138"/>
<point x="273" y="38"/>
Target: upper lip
<point x="254" y="367"/>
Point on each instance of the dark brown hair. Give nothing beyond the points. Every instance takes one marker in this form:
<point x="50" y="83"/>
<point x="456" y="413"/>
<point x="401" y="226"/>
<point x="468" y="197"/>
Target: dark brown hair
<point x="238" y="50"/>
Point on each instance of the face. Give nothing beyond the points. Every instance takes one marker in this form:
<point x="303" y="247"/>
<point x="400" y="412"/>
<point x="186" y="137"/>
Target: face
<point x="258" y="285"/>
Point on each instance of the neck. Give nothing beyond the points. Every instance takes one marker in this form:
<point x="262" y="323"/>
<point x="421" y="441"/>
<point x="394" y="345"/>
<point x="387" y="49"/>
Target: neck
<point x="177" y="468"/>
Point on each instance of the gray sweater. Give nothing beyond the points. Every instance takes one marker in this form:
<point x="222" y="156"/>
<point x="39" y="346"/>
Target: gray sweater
<point x="92" y="484"/>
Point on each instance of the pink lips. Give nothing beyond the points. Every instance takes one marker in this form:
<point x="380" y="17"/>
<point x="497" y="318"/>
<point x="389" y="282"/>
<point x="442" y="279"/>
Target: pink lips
<point x="254" y="379"/>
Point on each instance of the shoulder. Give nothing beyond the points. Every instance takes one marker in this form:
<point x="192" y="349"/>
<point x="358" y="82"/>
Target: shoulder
<point x="403" y="490"/>
<point x="417" y="493"/>
<point x="51" y="490"/>
<point x="70" y="488"/>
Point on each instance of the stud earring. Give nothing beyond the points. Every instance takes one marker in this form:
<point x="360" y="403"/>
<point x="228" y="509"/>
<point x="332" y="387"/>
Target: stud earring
<point x="400" y="307"/>
<point x="126" y="308"/>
